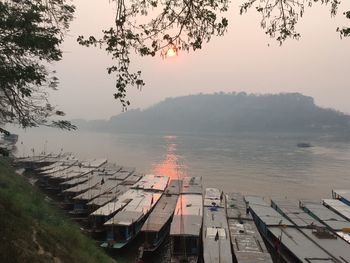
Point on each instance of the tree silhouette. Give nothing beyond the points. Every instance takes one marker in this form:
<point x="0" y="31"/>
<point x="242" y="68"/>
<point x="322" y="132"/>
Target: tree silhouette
<point x="30" y="35"/>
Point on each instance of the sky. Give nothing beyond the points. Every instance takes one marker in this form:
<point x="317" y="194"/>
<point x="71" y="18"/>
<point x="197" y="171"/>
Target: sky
<point x="245" y="59"/>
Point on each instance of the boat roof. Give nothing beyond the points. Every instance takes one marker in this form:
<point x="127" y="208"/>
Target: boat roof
<point x="132" y="179"/>
<point x="152" y="182"/>
<point x="192" y="185"/>
<point x="125" y="218"/>
<point x="325" y="215"/>
<point x="98" y="190"/>
<point x="301" y="246"/>
<point x="266" y="213"/>
<point x="216" y="237"/>
<point x="236" y="206"/>
<point x="294" y="213"/>
<point x="139" y="205"/>
<point x="337" y="247"/>
<point x="344" y="193"/>
<point x="55" y="169"/>
<point x="188" y="215"/>
<point x="70" y="172"/>
<point x="338" y="206"/>
<point x="117" y="204"/>
<point x="214" y="197"/>
<point x="121" y="175"/>
<point x="77" y="180"/>
<point x="173" y="187"/>
<point x="94" y="181"/>
<point x="59" y="163"/>
<point x="109" y="196"/>
<point x="247" y="244"/>
<point x="94" y="163"/>
<point x="161" y="213"/>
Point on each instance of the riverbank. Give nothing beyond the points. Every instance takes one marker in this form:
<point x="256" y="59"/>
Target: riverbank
<point x="33" y="230"/>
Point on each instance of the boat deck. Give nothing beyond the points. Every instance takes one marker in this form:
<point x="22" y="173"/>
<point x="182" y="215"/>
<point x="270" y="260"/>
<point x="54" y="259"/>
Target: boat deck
<point x="339" y="207"/>
<point x="192" y="185"/>
<point x="138" y="207"/>
<point x="216" y="236"/>
<point x="325" y="215"/>
<point x="188" y="215"/>
<point x="247" y="244"/>
<point x="152" y="182"/>
<point x="161" y="214"/>
<point x="109" y="196"/>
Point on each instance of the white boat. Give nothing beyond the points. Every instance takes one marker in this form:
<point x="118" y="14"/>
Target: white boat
<point x="186" y="229"/>
<point x="127" y="223"/>
<point x="157" y="226"/>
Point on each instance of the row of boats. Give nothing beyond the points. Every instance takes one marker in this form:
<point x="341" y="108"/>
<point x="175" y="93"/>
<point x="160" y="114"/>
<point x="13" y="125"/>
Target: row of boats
<point x="116" y="204"/>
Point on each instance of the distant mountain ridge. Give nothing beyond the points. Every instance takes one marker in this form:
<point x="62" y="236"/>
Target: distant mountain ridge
<point x="227" y="112"/>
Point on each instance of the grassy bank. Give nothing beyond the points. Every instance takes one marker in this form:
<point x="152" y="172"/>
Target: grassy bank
<point x="33" y="230"/>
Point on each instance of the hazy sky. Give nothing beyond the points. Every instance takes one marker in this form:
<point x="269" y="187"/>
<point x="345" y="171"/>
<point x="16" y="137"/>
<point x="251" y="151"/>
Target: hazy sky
<point x="316" y="65"/>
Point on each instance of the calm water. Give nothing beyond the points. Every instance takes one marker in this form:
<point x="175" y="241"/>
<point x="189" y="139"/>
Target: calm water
<point x="260" y="164"/>
<point x="264" y="164"/>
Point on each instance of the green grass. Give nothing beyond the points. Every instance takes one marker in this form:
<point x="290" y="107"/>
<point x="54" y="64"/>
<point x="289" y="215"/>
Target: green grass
<point x="33" y="230"/>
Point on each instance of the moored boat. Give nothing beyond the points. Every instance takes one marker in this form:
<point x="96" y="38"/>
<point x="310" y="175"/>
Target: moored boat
<point x="247" y="244"/>
<point x="157" y="225"/>
<point x="123" y="227"/>
<point x="216" y="238"/>
<point x="186" y="227"/>
<point x="286" y="240"/>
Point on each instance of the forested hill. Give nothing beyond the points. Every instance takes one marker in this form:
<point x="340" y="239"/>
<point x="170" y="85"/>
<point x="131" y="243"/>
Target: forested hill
<point x="222" y="112"/>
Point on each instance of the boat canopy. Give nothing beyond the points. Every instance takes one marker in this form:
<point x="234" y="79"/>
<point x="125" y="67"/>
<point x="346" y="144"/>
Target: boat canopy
<point x="142" y="203"/>
<point x="338" y="206"/>
<point x="325" y="215"/>
<point x="161" y="214"/>
<point x="188" y="215"/>
<point x="152" y="182"/>
<point x="192" y="185"/>
<point x="213" y="197"/>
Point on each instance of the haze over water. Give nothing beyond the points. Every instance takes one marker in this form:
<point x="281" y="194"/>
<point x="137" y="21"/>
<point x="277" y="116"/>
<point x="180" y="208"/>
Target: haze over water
<point x="260" y="164"/>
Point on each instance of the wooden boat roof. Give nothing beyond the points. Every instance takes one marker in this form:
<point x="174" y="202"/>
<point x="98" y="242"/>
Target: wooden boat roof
<point x="152" y="182"/>
<point x="98" y="190"/>
<point x="266" y="213"/>
<point x="140" y="205"/>
<point x="188" y="215"/>
<point x="192" y="185"/>
<point x="344" y="193"/>
<point x="338" y="206"/>
<point x="337" y="247"/>
<point x="94" y="163"/>
<point x="71" y="172"/>
<point x="214" y="197"/>
<point x="94" y="181"/>
<point x="77" y="180"/>
<point x="295" y="214"/>
<point x="132" y="179"/>
<point x="109" y="196"/>
<point x="299" y="244"/>
<point x="325" y="215"/>
<point x="236" y="206"/>
<point x="114" y="206"/>
<point x="173" y="187"/>
<point x="216" y="236"/>
<point x="161" y="213"/>
<point x="247" y="244"/>
<point x="125" y="218"/>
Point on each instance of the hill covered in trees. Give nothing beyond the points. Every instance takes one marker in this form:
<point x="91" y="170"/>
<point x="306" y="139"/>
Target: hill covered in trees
<point x="222" y="112"/>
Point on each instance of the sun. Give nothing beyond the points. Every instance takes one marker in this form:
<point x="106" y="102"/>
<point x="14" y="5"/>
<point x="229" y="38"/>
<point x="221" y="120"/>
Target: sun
<point x="171" y="52"/>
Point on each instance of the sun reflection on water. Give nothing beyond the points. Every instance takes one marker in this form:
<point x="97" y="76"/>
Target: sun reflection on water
<point x="172" y="165"/>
